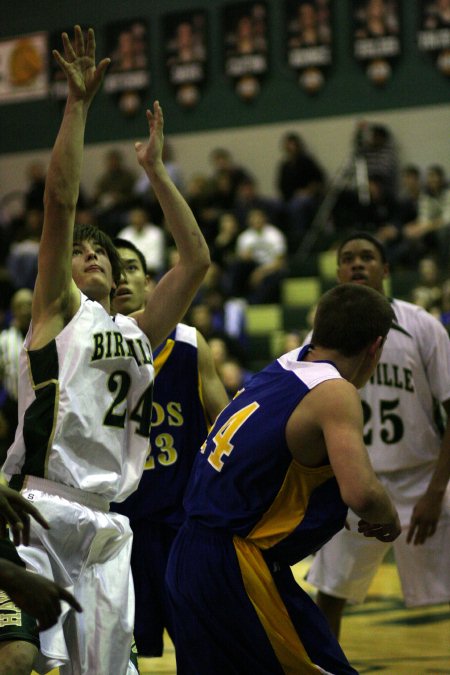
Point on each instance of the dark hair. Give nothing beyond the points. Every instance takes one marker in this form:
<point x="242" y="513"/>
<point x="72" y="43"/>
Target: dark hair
<point x="411" y="170"/>
<point x="350" y="317"/>
<point x="124" y="243"/>
<point x="93" y="233"/>
<point x="363" y="235"/>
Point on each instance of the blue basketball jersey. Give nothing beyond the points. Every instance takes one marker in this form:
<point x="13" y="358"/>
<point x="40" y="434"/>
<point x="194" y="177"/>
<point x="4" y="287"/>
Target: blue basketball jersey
<point x="245" y="479"/>
<point x="179" y="426"/>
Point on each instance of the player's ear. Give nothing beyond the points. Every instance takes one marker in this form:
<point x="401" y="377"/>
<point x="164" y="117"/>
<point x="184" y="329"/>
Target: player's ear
<point x="376" y="346"/>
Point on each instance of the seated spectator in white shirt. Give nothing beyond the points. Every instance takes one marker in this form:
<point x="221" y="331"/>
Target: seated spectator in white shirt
<point x="261" y="260"/>
<point x="148" y="238"/>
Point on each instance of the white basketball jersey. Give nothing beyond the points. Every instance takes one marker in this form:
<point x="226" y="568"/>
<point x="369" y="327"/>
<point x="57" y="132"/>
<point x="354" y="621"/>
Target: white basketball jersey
<point x="401" y="401"/>
<point x="85" y="405"/>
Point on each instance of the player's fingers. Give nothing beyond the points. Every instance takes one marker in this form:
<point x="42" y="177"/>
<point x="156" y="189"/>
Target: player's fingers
<point x="68" y="597"/>
<point x="61" y="61"/>
<point x="90" y="43"/>
<point x="78" y="40"/>
<point x="68" y="49"/>
<point x="25" y="529"/>
<point x="411" y="532"/>
<point x="35" y="513"/>
<point x="102" y="66"/>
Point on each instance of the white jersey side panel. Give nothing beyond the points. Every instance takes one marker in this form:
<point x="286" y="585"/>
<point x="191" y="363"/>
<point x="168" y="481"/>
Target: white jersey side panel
<point x="399" y="402"/>
<point x="84" y="405"/>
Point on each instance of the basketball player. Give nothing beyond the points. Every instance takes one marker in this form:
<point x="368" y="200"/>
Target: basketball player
<point x="409" y="447"/>
<point x="187" y="397"/>
<point x="85" y="379"/>
<point x="19" y="589"/>
<point x="273" y="481"/>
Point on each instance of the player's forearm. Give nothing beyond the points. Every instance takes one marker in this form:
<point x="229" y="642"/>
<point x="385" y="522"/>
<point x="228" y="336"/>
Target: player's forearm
<point x="189" y="240"/>
<point x="373" y="504"/>
<point x="64" y="172"/>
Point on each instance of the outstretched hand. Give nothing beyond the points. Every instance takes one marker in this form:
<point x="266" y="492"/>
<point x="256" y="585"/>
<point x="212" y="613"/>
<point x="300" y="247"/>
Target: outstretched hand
<point x="16" y="511"/>
<point x="150" y="155"/>
<point x="83" y="76"/>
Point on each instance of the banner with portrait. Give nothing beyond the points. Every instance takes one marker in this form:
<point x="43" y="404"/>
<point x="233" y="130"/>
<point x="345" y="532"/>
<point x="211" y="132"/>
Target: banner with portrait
<point x="246" y="59"/>
<point x="434" y="32"/>
<point x="24" y="68"/>
<point x="309" y="40"/>
<point x="128" y="76"/>
<point x="376" y="37"/>
<point x="185" y="54"/>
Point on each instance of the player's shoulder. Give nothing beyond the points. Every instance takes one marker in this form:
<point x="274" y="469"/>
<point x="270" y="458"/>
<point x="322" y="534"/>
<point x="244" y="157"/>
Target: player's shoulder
<point x="311" y="373"/>
<point x="414" y="319"/>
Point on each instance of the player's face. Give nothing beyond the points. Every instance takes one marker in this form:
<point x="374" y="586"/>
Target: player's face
<point x="91" y="269"/>
<point x="131" y="292"/>
<point x="360" y="263"/>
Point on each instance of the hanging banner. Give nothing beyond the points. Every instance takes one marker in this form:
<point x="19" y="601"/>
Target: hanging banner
<point x="309" y="38"/>
<point x="186" y="51"/>
<point x="376" y="41"/>
<point x="246" y="46"/>
<point x="23" y="68"/>
<point x="128" y="75"/>
<point x="434" y="32"/>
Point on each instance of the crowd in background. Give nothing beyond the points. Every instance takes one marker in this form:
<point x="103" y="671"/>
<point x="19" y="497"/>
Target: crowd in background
<point x="254" y="239"/>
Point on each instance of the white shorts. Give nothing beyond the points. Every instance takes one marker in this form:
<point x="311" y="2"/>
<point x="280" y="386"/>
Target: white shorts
<point x="87" y="551"/>
<point x="346" y="565"/>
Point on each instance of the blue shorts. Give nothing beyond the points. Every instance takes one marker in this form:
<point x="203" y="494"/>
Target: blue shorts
<point x="233" y="615"/>
<point x="149" y="555"/>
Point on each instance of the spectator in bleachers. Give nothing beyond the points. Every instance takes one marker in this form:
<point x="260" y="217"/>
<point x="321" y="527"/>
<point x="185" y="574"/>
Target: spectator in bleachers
<point x="410" y="189"/>
<point x="113" y="194"/>
<point x="147" y="237"/>
<point x="143" y="188"/>
<point x="248" y="197"/>
<point x="234" y="375"/>
<point x="212" y="324"/>
<point x="34" y="193"/>
<point x="300" y="182"/>
<point x="379" y="215"/>
<point x="200" y="197"/>
<point x="226" y="177"/>
<point x="11" y="341"/>
<point x="223" y="247"/>
<point x="430" y="232"/>
<point x="21" y="262"/>
<point x="261" y="260"/>
<point x="427" y="293"/>
<point x="374" y="143"/>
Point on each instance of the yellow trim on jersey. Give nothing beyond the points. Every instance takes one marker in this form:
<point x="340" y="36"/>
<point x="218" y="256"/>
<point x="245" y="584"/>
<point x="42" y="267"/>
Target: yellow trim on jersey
<point x="163" y="355"/>
<point x="289" y="506"/>
<point x="272" y="613"/>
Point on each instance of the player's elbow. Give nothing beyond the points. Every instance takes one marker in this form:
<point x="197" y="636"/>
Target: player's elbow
<point x="61" y="197"/>
<point x="360" y="498"/>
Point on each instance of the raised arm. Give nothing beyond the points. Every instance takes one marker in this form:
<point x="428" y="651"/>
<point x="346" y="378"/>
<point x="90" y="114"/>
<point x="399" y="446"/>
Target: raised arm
<point x="215" y="397"/>
<point x="55" y="293"/>
<point x="176" y="290"/>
